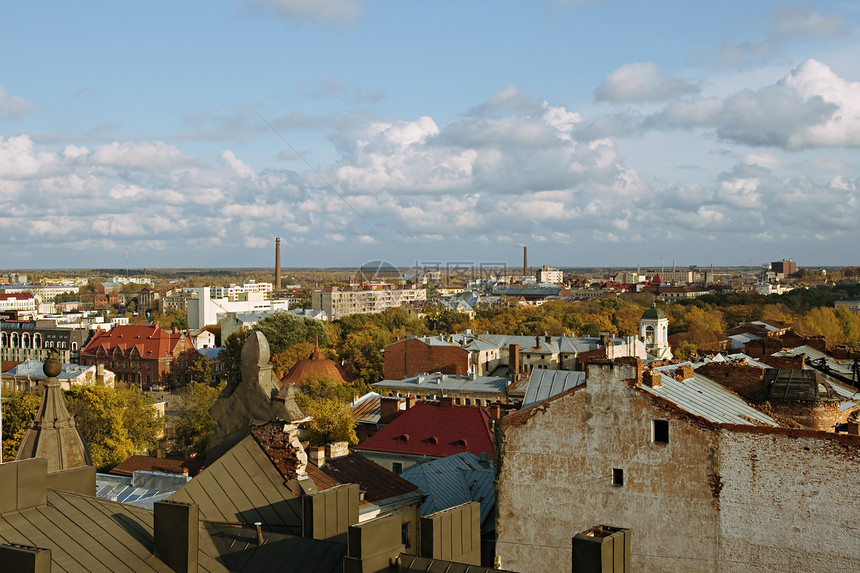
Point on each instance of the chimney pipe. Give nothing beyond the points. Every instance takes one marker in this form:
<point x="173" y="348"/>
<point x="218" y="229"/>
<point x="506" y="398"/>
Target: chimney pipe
<point x="259" y="526"/>
<point x="277" y="263"/>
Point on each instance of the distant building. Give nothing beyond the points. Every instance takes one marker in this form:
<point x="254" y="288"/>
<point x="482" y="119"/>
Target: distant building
<point x="34" y="339"/>
<point x="144" y="356"/>
<point x="203" y="308"/>
<point x="547" y="274"/>
<point x="783" y="268"/>
<point x="29" y="376"/>
<point x="338" y="302"/>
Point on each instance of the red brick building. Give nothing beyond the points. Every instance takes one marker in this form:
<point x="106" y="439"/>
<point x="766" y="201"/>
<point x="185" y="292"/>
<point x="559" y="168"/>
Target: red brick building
<point x="145" y="356"/>
<point x="408" y="357"/>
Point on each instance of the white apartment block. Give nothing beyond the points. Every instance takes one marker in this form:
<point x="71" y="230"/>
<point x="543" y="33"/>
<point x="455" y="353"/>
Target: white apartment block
<point x="338" y="302"/>
<point x="548" y="274"/>
<point x="203" y="309"/>
<point x="234" y="292"/>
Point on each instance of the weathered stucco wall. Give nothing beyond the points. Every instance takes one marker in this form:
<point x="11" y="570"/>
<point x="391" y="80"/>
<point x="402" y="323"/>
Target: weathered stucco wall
<point x="556" y="479"/>
<point x="789" y="501"/>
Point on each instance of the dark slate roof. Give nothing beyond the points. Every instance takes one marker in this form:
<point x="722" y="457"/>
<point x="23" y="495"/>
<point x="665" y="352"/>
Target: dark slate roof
<point x="244" y="486"/>
<point x="455" y="480"/>
<point x="377" y="482"/>
<point x="434" y="430"/>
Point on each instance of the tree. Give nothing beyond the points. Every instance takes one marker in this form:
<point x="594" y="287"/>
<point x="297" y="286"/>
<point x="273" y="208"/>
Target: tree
<point x="822" y="321"/>
<point x="283" y="329"/>
<point x="231" y="355"/>
<point x="285" y="360"/>
<point x="201" y="370"/>
<point x="328" y="403"/>
<point x="99" y="412"/>
<point x="140" y="420"/>
<point x="177" y="317"/>
<point x="18" y="409"/>
<point x="194" y="424"/>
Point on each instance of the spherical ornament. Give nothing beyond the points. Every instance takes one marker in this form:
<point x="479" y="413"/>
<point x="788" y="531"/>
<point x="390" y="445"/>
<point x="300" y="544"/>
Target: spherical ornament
<point x="52" y="365"/>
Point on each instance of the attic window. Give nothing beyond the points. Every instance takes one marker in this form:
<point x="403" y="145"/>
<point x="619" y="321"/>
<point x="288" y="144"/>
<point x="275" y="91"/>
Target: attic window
<point x="660" y="431"/>
<point x="617" y="477"/>
<point x="433" y="440"/>
<point x="403" y="437"/>
<point x="460" y="443"/>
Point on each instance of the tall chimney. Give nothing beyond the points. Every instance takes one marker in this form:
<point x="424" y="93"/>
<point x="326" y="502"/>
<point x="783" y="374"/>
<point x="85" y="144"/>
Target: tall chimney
<point x="277" y="263"/>
<point x="514" y="362"/>
<point x="525" y="260"/>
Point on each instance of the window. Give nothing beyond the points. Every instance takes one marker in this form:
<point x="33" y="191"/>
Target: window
<point x="397" y="468"/>
<point x="404" y="534"/>
<point x="617" y="477"/>
<point x="660" y="431"/>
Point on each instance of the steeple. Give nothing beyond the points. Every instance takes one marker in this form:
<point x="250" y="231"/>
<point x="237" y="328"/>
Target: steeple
<point x="53" y="434"/>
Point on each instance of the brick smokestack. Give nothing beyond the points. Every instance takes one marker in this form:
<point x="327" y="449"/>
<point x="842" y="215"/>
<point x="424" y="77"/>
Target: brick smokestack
<point x="514" y="362"/>
<point x="277" y="263"/>
<point x="525" y="260"/>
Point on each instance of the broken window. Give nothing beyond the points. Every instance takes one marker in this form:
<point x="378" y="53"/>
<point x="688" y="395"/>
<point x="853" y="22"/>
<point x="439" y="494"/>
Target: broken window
<point x="617" y="477"/>
<point x="660" y="431"/>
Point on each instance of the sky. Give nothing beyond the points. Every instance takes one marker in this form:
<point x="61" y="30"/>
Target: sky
<point x="598" y="133"/>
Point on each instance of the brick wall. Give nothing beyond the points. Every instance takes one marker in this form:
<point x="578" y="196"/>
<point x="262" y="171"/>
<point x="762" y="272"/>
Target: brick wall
<point x="408" y="357"/>
<point x="818" y="416"/>
<point x="785" y="362"/>
<point x="744" y="379"/>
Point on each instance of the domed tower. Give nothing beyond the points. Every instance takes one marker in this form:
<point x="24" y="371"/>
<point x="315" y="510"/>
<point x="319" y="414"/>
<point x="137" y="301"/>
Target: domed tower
<point x="654" y="331"/>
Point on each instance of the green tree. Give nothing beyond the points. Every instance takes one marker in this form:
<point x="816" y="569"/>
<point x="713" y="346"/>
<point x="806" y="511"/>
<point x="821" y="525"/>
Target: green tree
<point x="328" y="403"/>
<point x="283" y="329"/>
<point x="177" y="317"/>
<point x="822" y="321"/>
<point x="231" y="355"/>
<point x="100" y="415"/>
<point x="194" y="425"/>
<point x="139" y="419"/>
<point x="18" y="409"/>
<point x="201" y="370"/>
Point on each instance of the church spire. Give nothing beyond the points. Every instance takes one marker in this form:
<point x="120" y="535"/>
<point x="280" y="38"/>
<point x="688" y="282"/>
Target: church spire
<point x="53" y="434"/>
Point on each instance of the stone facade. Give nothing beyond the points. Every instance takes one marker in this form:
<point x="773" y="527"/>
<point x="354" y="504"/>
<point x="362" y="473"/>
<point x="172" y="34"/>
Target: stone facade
<point x="709" y="497"/>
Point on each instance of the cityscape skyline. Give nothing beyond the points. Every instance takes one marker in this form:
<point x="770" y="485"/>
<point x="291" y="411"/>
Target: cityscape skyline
<point x="600" y="133"/>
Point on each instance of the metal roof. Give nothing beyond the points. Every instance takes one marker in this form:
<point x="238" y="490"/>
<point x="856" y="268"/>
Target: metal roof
<point x="703" y="397"/>
<point x="434" y="384"/>
<point x="33" y="369"/>
<point x="368" y="408"/>
<point x="454" y="480"/>
<point x="142" y="489"/>
<point x="813" y="354"/>
<point x="544" y="384"/>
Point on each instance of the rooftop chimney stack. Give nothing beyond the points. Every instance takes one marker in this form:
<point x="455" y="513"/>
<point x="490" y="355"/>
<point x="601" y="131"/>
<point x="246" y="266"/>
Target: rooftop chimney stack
<point x="175" y="529"/>
<point x="277" y="263"/>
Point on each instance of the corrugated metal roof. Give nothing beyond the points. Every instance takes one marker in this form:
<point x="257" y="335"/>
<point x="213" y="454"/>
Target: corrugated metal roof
<point x="703" y="397"/>
<point x="813" y="354"/>
<point x="454" y="480"/>
<point x="368" y="408"/>
<point x="434" y="384"/>
<point x="544" y="384"/>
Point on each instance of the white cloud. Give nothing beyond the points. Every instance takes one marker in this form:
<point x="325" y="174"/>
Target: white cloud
<point x="331" y="11"/>
<point x="642" y="81"/>
<point x="151" y="157"/>
<point x="13" y="107"/>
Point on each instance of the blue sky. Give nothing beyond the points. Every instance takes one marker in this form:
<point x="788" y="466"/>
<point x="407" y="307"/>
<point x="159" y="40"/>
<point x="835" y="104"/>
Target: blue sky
<point x="599" y="133"/>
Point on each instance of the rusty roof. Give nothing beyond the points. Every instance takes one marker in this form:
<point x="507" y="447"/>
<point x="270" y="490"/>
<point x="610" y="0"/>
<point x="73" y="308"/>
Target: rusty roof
<point x="377" y="482"/>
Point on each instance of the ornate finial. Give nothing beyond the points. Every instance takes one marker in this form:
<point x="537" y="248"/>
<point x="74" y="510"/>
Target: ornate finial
<point x="52" y="365"/>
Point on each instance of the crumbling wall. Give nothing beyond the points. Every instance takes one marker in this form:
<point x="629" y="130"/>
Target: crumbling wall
<point x="743" y="378"/>
<point x="556" y="478"/>
<point x="789" y="501"/>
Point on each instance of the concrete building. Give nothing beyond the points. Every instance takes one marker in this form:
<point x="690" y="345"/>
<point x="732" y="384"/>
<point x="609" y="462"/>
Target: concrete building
<point x="338" y="302"/>
<point x="465" y="390"/>
<point x="34" y="339"/>
<point x="21" y="304"/>
<point x="703" y="481"/>
<point x="203" y="308"/>
<point x="547" y="274"/>
<point x="783" y="268"/>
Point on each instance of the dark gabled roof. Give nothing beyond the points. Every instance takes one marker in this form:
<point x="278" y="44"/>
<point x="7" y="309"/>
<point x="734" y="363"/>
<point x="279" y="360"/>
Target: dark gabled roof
<point x="91" y="534"/>
<point x="434" y="430"/>
<point x="377" y="482"/>
<point x="244" y="486"/>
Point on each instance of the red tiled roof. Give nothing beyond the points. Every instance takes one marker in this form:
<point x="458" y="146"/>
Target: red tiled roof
<point x="429" y="429"/>
<point x="151" y="341"/>
<point x="315" y="365"/>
